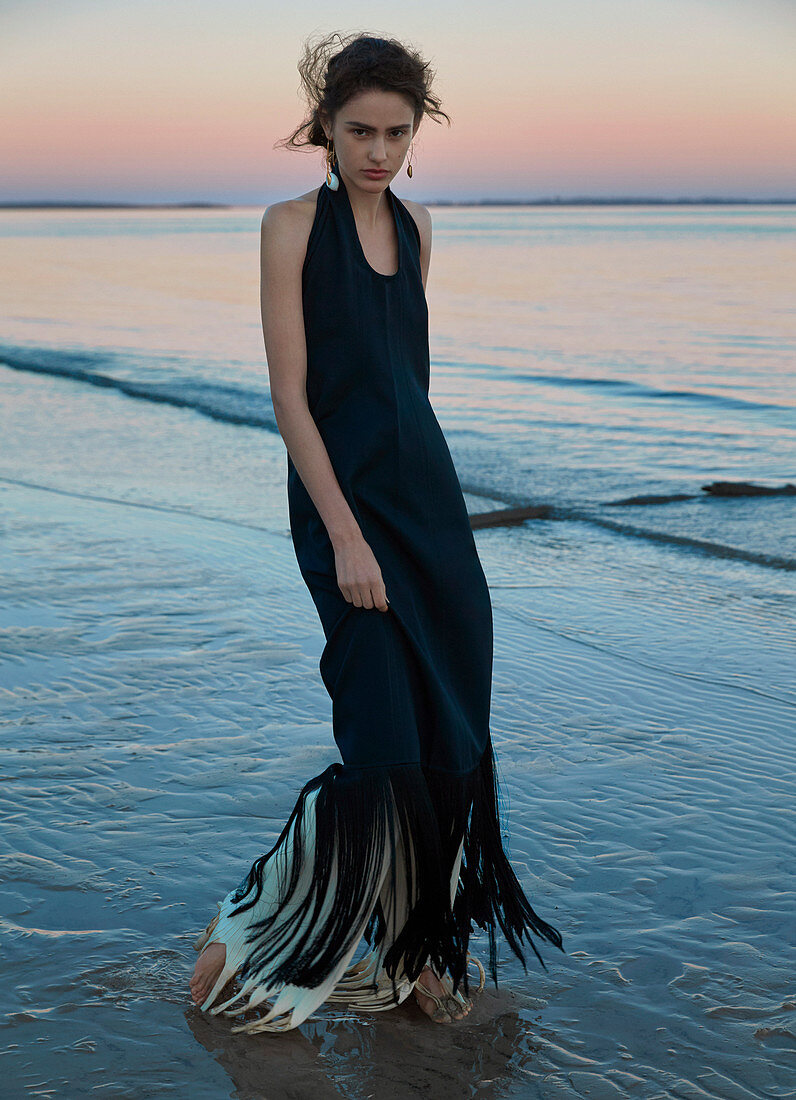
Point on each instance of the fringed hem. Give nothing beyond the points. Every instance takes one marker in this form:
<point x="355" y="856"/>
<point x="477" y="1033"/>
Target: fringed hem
<point x="407" y="857"/>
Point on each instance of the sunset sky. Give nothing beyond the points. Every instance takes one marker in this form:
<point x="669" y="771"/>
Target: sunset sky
<point x="183" y="100"/>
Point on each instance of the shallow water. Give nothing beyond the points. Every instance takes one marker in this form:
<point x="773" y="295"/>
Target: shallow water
<point x="161" y="705"/>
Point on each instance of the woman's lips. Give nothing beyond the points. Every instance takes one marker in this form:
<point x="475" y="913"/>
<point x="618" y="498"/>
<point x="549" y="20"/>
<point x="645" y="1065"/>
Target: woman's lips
<point x="375" y="173"/>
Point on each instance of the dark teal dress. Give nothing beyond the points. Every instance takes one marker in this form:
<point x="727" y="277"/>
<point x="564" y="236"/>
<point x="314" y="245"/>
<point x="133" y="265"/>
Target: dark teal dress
<point x="410" y="687"/>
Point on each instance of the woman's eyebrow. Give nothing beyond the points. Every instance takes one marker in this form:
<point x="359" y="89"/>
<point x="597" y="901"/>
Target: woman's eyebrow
<point x="364" y="125"/>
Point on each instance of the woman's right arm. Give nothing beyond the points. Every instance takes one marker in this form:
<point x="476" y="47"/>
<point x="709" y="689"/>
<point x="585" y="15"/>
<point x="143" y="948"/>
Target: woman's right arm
<point x="283" y="241"/>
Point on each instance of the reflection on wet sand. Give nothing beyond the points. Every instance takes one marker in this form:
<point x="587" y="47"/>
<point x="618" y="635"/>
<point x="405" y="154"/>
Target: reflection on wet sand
<point x="396" y="1054"/>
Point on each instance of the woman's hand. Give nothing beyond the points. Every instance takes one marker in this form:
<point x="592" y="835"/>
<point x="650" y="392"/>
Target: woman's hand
<point x="359" y="576"/>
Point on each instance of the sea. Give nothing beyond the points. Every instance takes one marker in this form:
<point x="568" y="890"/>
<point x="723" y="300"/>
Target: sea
<point x="627" y="372"/>
<point x="581" y="356"/>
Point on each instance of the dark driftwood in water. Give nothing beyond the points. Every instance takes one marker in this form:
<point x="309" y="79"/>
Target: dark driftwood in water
<point x="507" y="517"/>
<point x="510" y="516"/>
<point x="716" y="489"/>
<point x="747" y="489"/>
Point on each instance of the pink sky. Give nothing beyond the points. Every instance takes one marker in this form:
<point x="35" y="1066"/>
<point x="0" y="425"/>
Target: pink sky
<point x="183" y="101"/>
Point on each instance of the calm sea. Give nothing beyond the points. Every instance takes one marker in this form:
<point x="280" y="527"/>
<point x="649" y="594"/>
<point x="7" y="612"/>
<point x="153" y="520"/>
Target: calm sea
<point x="580" y="356"/>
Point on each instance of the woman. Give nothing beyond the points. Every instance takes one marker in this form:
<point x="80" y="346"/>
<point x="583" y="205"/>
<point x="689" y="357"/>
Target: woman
<point x="399" y="843"/>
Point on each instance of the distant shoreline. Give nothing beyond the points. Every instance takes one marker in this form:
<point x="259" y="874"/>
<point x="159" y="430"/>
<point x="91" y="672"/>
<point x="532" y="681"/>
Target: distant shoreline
<point x="67" y="204"/>
<point x="56" y="204"/>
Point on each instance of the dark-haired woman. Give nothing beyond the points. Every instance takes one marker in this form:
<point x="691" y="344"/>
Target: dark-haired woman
<point x="400" y="842"/>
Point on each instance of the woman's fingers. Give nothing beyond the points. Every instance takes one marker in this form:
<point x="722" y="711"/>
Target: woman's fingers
<point x="366" y="596"/>
<point x="359" y="576"/>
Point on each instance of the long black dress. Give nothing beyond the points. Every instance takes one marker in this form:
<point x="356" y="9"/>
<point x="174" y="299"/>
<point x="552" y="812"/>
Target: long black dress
<point x="401" y="841"/>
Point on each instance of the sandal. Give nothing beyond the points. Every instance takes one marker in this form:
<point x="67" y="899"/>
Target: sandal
<point x="447" y="1006"/>
<point x="481" y="973"/>
<point x="440" y="1015"/>
<point x="203" y="937"/>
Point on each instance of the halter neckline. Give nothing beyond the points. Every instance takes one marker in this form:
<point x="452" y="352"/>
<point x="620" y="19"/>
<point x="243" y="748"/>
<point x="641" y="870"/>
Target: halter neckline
<point x="346" y="203"/>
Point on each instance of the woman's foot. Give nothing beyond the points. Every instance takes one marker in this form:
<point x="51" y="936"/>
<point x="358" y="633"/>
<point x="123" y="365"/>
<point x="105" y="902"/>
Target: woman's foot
<point x="444" y="1006"/>
<point x="205" y="975"/>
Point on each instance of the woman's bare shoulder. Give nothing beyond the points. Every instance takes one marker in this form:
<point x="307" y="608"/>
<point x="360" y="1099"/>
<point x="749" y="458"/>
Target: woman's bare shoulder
<point x="422" y="220"/>
<point x="417" y="210"/>
<point x="286" y="225"/>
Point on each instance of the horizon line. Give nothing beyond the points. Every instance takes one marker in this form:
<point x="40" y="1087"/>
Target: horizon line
<point x="584" y="200"/>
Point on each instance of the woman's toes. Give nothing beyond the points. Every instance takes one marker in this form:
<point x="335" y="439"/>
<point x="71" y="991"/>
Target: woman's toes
<point x="431" y="1009"/>
<point x="454" y="1006"/>
<point x="457" y="1010"/>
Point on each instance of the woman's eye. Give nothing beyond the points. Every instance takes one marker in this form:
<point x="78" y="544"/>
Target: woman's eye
<point x="358" y="130"/>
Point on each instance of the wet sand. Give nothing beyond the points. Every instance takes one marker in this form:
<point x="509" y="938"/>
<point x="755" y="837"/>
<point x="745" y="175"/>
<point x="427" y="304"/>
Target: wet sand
<point x="161" y="708"/>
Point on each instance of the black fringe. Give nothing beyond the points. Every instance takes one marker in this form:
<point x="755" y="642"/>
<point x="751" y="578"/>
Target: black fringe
<point x="359" y="812"/>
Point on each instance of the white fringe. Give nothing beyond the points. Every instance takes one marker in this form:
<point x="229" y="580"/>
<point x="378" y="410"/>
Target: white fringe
<point x="362" y="985"/>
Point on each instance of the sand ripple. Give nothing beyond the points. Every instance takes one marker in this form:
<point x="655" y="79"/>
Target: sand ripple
<point x="161" y="707"/>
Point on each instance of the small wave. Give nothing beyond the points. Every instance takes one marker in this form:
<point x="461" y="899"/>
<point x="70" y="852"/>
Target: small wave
<point x="651" y="498"/>
<point x="621" y="386"/>
<point x="685" y="542"/>
<point x="638" y="389"/>
<point x="233" y="404"/>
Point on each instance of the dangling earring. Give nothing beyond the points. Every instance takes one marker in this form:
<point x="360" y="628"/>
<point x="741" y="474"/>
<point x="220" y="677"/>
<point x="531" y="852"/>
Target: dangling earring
<point x="409" y="165"/>
<point x="332" y="182"/>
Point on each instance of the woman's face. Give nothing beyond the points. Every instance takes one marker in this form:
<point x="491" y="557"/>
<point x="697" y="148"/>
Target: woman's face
<point x="371" y="135"/>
